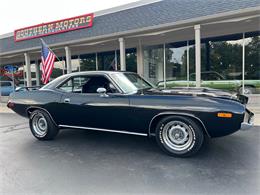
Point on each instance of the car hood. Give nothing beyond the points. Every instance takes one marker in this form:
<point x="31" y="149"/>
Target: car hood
<point x="203" y="92"/>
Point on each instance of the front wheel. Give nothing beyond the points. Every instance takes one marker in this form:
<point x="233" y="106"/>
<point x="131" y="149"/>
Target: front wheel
<point x="179" y="136"/>
<point x="42" y="126"/>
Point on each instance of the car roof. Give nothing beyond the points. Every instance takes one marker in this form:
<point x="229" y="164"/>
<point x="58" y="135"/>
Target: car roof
<point x="96" y="72"/>
<point x="62" y="78"/>
<point x="101" y="71"/>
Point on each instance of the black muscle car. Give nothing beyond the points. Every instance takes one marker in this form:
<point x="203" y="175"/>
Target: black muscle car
<point x="123" y="102"/>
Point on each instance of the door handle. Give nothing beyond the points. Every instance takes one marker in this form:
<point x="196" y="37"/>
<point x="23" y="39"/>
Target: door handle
<point x="67" y="100"/>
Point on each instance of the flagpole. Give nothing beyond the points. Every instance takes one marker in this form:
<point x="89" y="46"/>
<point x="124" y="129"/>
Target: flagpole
<point x="56" y="57"/>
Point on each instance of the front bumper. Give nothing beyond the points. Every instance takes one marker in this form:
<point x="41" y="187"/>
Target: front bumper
<point x="248" y="120"/>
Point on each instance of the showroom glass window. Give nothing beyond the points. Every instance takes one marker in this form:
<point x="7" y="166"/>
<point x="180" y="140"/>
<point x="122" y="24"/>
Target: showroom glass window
<point x="153" y="63"/>
<point x="221" y="66"/>
<point x="179" y="64"/>
<point x="33" y="73"/>
<point x="191" y="63"/>
<point x="87" y="62"/>
<point x="75" y="63"/>
<point x="108" y="60"/>
<point x="176" y="61"/>
<point x="131" y="60"/>
<point x="111" y="60"/>
<point x="252" y="63"/>
<point x="23" y="81"/>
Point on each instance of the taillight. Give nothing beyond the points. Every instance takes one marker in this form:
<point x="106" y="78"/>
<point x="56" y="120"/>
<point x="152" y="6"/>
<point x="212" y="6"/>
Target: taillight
<point x="10" y="104"/>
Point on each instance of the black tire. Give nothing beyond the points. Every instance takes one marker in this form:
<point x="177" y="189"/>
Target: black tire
<point x="179" y="136"/>
<point x="42" y="126"/>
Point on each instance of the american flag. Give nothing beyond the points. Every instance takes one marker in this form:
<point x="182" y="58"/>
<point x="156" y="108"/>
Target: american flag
<point x="48" y="58"/>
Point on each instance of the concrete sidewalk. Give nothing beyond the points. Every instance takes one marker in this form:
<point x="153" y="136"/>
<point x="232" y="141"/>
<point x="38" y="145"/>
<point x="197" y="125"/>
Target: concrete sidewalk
<point x="3" y="103"/>
<point x="4" y="109"/>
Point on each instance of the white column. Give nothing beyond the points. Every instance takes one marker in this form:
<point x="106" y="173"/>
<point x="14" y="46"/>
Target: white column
<point x="188" y="64"/>
<point x="140" y="59"/>
<point x="68" y="59"/>
<point x="243" y="65"/>
<point x="28" y="70"/>
<point x="164" y="65"/>
<point x="96" y="61"/>
<point x="116" y="60"/>
<point x="122" y="54"/>
<point x="37" y="73"/>
<point x="197" y="55"/>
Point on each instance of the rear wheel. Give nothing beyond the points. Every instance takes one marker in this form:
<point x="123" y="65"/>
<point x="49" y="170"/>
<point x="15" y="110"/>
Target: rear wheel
<point x="179" y="136"/>
<point x="42" y="126"/>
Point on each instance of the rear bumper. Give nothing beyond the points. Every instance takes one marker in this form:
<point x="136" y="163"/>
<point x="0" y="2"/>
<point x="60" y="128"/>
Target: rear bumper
<point x="248" y="121"/>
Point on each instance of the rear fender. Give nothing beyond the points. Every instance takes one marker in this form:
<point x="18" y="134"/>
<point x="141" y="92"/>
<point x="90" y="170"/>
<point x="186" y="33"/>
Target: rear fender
<point x="33" y="108"/>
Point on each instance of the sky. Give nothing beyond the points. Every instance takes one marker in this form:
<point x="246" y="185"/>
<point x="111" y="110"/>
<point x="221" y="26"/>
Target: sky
<point x="15" y="14"/>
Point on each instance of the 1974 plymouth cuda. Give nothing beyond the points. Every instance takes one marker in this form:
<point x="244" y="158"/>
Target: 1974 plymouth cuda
<point x="123" y="102"/>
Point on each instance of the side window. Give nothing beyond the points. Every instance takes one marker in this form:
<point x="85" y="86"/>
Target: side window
<point x="67" y="87"/>
<point x="88" y="84"/>
<point x="78" y="83"/>
<point x="74" y="85"/>
<point x="96" y="82"/>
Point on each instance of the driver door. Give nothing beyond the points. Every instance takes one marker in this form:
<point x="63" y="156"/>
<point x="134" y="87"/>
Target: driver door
<point x="84" y="107"/>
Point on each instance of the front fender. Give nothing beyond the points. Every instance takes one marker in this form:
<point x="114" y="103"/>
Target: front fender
<point x="158" y="117"/>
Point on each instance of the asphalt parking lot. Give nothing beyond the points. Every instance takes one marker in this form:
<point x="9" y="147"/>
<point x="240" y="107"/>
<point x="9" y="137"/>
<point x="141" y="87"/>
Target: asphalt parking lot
<point x="87" y="162"/>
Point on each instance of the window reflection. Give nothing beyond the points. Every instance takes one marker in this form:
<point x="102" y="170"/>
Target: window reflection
<point x="176" y="63"/>
<point x="75" y="63"/>
<point x="153" y="63"/>
<point x="252" y="64"/>
<point x="131" y="60"/>
<point x="221" y="63"/>
<point x="108" y="60"/>
<point x="87" y="62"/>
<point x="222" y="68"/>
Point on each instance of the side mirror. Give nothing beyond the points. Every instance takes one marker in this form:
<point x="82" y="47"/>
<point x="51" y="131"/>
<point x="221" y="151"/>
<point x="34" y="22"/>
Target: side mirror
<point x="102" y="91"/>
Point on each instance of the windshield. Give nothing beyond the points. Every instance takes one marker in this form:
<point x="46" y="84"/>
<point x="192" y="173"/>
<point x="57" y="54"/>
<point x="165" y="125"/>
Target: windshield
<point x="131" y="82"/>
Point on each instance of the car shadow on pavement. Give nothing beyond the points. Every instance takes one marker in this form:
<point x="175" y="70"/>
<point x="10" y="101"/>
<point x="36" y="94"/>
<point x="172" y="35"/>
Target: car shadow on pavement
<point x="133" y="164"/>
<point x="104" y="143"/>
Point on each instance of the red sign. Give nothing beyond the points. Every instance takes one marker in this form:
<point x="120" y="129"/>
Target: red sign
<point x="18" y="73"/>
<point x="55" y="27"/>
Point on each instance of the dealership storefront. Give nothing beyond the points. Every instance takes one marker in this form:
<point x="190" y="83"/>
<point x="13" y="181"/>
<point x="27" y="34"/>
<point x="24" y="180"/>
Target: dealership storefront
<point x="170" y="43"/>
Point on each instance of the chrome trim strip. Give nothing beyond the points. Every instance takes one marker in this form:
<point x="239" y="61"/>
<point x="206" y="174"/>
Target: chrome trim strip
<point x="177" y="113"/>
<point x="107" y="130"/>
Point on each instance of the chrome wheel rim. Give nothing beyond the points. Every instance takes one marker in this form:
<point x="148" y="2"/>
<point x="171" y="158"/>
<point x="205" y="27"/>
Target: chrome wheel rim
<point x="247" y="91"/>
<point x="40" y="125"/>
<point x="177" y="135"/>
